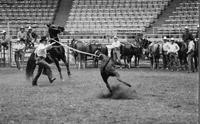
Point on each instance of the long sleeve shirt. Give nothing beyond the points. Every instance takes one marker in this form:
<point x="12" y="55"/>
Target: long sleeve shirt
<point x="191" y="46"/>
<point x="166" y="46"/>
<point x="174" y="48"/>
<point x="18" y="46"/>
<point x="116" y="44"/>
<point x="21" y="35"/>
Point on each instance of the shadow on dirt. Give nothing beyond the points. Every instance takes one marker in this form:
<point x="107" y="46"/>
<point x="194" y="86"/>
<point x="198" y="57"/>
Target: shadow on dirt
<point x="119" y="92"/>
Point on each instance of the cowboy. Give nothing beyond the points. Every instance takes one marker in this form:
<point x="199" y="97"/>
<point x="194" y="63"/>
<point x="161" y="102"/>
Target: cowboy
<point x="115" y="46"/>
<point x="190" y="56"/>
<point x="165" y="50"/>
<point x="29" y="37"/>
<point x="187" y="36"/>
<point x="173" y="47"/>
<point x="41" y="54"/>
<point x="19" y="53"/>
<point x="5" y="40"/>
<point x="21" y="35"/>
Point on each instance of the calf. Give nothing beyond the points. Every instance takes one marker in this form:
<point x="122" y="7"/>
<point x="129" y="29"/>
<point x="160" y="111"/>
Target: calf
<point x="107" y="69"/>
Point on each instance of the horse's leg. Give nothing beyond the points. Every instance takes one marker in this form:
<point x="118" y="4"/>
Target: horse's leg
<point x="59" y="69"/>
<point x="67" y="65"/>
<point x="119" y="79"/>
<point x="79" y="61"/>
<point x="105" y="79"/>
<point x="138" y="61"/>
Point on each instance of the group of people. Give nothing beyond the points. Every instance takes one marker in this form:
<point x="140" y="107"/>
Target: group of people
<point x="25" y="39"/>
<point x="171" y="48"/>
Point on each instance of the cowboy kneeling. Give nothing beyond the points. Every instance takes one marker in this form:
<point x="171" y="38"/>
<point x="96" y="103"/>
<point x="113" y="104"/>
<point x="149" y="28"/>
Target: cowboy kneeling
<point x="41" y="54"/>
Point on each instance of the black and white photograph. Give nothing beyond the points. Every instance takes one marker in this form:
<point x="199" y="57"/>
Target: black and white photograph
<point x="99" y="61"/>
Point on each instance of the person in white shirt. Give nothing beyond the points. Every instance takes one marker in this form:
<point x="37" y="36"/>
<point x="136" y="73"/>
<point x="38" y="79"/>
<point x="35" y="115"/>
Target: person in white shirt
<point x="165" y="48"/>
<point x="190" y="56"/>
<point x="173" y="47"/>
<point x="41" y="54"/>
<point x="21" y="35"/>
<point x="115" y="46"/>
<point x="19" y="53"/>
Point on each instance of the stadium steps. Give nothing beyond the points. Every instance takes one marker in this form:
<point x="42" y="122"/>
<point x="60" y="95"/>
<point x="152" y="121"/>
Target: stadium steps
<point x="164" y="15"/>
<point x="62" y="13"/>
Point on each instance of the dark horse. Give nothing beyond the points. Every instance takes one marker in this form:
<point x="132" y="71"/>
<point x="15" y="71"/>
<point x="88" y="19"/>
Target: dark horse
<point x="55" y="54"/>
<point x="128" y="50"/>
<point x="182" y="55"/>
<point x="95" y="47"/>
<point x="81" y="46"/>
<point x="89" y="48"/>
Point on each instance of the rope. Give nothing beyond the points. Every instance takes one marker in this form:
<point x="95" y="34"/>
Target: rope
<point x="79" y="51"/>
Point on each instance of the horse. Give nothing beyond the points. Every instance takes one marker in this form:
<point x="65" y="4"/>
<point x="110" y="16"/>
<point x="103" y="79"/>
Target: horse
<point x="94" y="47"/>
<point x="107" y="69"/>
<point x="182" y="55"/>
<point x="55" y="54"/>
<point x="128" y="50"/>
<point x="155" y="50"/>
<point x="79" y="45"/>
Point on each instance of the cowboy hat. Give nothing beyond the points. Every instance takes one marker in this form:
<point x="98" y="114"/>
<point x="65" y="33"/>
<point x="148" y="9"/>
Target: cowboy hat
<point x="115" y="37"/>
<point x="3" y="32"/>
<point x="165" y="38"/>
<point x="172" y="39"/>
<point x="29" y="27"/>
<point x="186" y="27"/>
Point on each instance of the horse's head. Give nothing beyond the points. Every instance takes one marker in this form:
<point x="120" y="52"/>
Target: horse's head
<point x="54" y="30"/>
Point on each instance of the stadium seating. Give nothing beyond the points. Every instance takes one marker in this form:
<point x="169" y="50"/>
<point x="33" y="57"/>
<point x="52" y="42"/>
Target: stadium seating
<point x="26" y="13"/>
<point x="113" y="16"/>
<point x="184" y="15"/>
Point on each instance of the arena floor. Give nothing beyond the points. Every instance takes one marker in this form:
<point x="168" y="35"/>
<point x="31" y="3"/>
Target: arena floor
<point x="161" y="97"/>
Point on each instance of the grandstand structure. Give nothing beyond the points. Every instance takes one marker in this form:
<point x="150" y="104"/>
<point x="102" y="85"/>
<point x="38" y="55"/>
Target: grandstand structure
<point x="101" y="19"/>
<point x="35" y="13"/>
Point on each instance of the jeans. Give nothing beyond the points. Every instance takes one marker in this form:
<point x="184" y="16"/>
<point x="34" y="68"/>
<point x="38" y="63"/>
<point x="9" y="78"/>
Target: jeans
<point x="190" y="58"/>
<point x="19" y="58"/>
<point x="44" y="67"/>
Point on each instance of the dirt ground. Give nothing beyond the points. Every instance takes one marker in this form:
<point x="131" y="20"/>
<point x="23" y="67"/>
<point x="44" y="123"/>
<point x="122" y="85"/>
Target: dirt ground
<point x="161" y="97"/>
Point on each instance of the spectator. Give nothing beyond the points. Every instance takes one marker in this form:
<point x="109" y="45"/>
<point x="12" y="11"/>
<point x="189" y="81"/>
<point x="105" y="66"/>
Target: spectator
<point x="190" y="56"/>
<point x="5" y="40"/>
<point x="21" y="35"/>
<point x="19" y="48"/>
<point x="164" y="52"/>
<point x="187" y="36"/>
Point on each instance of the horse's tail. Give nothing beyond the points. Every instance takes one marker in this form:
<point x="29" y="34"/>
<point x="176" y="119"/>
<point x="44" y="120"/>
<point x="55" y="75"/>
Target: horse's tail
<point x="30" y="67"/>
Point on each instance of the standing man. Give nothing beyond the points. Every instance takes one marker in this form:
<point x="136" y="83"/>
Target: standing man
<point x="187" y="36"/>
<point x="190" y="56"/>
<point x="41" y="54"/>
<point x="19" y="53"/>
<point x="173" y="47"/>
<point x="115" y="46"/>
<point x="164" y="52"/>
<point x="21" y="35"/>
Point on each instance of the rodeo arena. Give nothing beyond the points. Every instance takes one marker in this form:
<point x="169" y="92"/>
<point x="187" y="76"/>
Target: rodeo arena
<point x="99" y="61"/>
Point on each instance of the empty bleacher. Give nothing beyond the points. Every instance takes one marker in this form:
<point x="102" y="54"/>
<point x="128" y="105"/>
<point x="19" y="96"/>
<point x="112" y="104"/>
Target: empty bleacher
<point x="186" y="14"/>
<point x="113" y="16"/>
<point x="26" y="13"/>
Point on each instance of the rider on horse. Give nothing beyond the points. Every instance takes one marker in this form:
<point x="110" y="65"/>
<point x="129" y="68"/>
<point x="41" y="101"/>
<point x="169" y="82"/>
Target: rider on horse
<point x="187" y="36"/>
<point x="31" y="37"/>
<point x="41" y="54"/>
<point x="5" y="40"/>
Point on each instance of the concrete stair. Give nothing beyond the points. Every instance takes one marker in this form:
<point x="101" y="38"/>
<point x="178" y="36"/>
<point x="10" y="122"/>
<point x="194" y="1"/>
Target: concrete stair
<point x="164" y="15"/>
